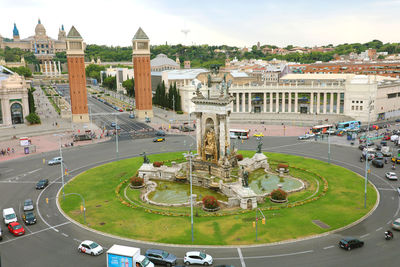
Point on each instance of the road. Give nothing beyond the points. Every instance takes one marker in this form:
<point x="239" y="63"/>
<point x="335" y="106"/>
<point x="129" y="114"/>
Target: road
<point x="53" y="240"/>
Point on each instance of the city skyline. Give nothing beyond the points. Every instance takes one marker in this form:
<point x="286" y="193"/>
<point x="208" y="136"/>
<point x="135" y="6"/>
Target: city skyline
<point x="214" y="23"/>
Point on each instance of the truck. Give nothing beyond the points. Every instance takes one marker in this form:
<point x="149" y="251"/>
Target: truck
<point x="386" y="151"/>
<point x="124" y="256"/>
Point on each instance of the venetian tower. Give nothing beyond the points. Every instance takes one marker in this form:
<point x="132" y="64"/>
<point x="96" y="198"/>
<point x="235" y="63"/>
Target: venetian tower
<point x="15" y="33"/>
<point x="142" y="73"/>
<point x="77" y="76"/>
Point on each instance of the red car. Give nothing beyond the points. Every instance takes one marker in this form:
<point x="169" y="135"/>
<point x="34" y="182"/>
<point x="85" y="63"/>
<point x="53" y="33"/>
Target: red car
<point x="16" y="228"/>
<point x="386" y="137"/>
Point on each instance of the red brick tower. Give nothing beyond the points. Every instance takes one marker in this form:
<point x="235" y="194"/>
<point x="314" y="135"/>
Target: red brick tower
<point x="77" y="76"/>
<point x="141" y="68"/>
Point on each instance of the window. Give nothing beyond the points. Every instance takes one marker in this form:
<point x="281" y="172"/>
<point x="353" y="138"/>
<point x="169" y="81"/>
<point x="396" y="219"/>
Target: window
<point x="352" y="101"/>
<point x="356" y="107"/>
<point x="392" y="95"/>
<point x="352" y="107"/>
<point x="361" y="107"/>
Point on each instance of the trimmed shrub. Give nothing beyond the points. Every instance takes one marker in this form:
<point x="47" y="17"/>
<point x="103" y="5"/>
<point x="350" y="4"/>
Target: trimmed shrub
<point x="179" y="112"/>
<point x="210" y="202"/>
<point x="278" y="194"/>
<point x="33" y="118"/>
<point x="239" y="157"/>
<point x="137" y="181"/>
<point x="283" y="166"/>
<point x="157" y="164"/>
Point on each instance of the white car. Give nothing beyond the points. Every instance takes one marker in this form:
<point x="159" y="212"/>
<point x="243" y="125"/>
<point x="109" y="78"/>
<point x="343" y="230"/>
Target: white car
<point x="28" y="205"/>
<point x="197" y="257"/>
<point x="391" y="175"/>
<point x="394" y="138"/>
<point x="55" y="161"/>
<point x="90" y="247"/>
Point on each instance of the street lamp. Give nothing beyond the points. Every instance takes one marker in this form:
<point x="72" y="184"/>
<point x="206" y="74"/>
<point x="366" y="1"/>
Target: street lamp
<point x="61" y="165"/>
<point x="366" y="156"/>
<point x="257" y="220"/>
<point x="189" y="156"/>
<point x="329" y="145"/>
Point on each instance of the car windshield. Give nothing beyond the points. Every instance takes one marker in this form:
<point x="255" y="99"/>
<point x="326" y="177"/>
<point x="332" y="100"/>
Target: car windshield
<point x="17" y="227"/>
<point x="10" y="216"/>
<point x="203" y="255"/>
<point x="41" y="182"/>
<point x="396" y="223"/>
<point x="145" y="262"/>
<point x="165" y="254"/>
<point x="94" y="245"/>
<point x="28" y="202"/>
<point x="29" y="215"/>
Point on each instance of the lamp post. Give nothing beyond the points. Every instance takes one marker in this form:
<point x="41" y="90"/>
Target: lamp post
<point x="116" y="136"/>
<point x="189" y="156"/>
<point x="257" y="220"/>
<point x="61" y="165"/>
<point x="366" y="156"/>
<point x="329" y="146"/>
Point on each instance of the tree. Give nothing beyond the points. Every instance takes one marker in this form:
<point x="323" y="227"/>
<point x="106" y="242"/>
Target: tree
<point x="31" y="101"/>
<point x="110" y="82"/>
<point x="93" y="71"/>
<point x="23" y="71"/>
<point x="129" y="85"/>
<point x="33" y="118"/>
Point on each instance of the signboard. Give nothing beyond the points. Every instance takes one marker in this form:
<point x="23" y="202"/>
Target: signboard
<point x="119" y="261"/>
<point x="24" y="141"/>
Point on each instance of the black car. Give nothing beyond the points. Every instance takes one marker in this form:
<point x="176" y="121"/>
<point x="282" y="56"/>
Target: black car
<point x="29" y="217"/>
<point x="350" y="242"/>
<point x="379" y="147"/>
<point x="378" y="163"/>
<point x="158" y="256"/>
<point x="160" y="133"/>
<point x="362" y="146"/>
<point x="42" y="184"/>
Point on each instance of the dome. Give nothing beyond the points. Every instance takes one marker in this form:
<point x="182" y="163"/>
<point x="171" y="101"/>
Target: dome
<point x="40" y="30"/>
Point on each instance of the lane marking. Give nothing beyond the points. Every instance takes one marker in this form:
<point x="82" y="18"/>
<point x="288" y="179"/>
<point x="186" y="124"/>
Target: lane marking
<point x="364" y="235"/>
<point x="380" y="228"/>
<point x="269" y="256"/>
<point x="34" y="171"/>
<point x="22" y="182"/>
<point x="77" y="240"/>
<point x="34" y="233"/>
<point x="387" y="189"/>
<point x="64" y="234"/>
<point x="329" y="247"/>
<point x="389" y="222"/>
<point x="241" y="257"/>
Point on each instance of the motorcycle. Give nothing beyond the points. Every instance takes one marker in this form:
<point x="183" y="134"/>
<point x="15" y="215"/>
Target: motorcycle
<point x="393" y="167"/>
<point x="361" y="159"/>
<point x="388" y="236"/>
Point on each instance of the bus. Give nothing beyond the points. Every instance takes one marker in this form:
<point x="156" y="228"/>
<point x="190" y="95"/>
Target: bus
<point x="321" y="129"/>
<point x="348" y="125"/>
<point x="239" y="134"/>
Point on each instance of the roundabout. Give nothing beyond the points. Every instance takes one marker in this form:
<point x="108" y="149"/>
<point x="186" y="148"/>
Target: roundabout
<point x="59" y="238"/>
<point x="330" y="201"/>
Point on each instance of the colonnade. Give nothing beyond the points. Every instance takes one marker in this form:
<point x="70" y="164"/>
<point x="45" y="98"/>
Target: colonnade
<point x="51" y="68"/>
<point x="329" y="102"/>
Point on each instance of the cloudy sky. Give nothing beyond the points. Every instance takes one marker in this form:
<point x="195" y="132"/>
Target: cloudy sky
<point x="232" y="22"/>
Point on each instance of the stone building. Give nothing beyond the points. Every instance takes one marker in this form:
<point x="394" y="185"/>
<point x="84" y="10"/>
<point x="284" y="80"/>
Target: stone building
<point x="14" y="105"/>
<point x="161" y="62"/>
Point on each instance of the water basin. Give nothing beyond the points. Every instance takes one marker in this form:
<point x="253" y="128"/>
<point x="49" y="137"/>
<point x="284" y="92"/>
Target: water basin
<point x="261" y="182"/>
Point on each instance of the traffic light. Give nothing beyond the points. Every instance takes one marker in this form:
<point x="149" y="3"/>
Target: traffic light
<point x="263" y="221"/>
<point x="254" y="224"/>
<point x="47" y="200"/>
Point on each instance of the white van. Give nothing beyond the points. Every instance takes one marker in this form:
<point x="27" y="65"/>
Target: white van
<point x="9" y="215"/>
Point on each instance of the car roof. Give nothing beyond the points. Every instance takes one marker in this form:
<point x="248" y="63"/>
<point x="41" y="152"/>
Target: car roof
<point x="193" y="253"/>
<point x="153" y="250"/>
<point x="391" y="173"/>
<point x="14" y="223"/>
<point x="87" y="242"/>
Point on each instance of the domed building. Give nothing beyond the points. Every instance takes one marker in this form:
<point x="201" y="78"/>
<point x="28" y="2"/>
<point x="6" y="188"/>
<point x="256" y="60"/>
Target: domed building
<point x="43" y="46"/>
<point x="161" y="62"/>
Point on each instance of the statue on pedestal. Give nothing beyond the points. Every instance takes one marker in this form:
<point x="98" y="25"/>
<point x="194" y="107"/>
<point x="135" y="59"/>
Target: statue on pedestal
<point x="259" y="146"/>
<point x="245" y="180"/>
<point x="209" y="144"/>
<point x="145" y="158"/>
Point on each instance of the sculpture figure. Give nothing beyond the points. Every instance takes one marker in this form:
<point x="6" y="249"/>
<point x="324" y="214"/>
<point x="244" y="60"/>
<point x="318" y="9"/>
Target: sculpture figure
<point x="209" y="144"/>
<point x="245" y="180"/>
<point x="145" y="158"/>
<point x="259" y="146"/>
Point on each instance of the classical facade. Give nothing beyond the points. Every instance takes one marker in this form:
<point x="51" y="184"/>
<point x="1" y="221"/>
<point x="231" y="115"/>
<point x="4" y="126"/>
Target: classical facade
<point x="14" y="105"/>
<point x="142" y="73"/>
<point x="77" y="76"/>
<point x="327" y="94"/>
<point x="43" y="46"/>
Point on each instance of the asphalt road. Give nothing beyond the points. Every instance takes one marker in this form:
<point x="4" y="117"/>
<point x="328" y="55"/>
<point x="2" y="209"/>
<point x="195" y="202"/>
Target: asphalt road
<point x="53" y="241"/>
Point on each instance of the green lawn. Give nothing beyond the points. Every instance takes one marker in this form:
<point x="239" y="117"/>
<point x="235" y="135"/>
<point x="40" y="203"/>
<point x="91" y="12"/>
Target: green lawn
<point x="341" y="205"/>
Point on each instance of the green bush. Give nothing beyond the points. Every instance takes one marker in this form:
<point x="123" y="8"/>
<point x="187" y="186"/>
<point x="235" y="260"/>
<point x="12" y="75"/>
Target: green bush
<point x="179" y="112"/>
<point x="210" y="202"/>
<point x="239" y="157"/>
<point x="278" y="194"/>
<point x="33" y="118"/>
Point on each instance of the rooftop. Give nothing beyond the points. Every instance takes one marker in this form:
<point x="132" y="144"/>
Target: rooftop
<point x="161" y="60"/>
<point x="184" y="74"/>
<point x="140" y="35"/>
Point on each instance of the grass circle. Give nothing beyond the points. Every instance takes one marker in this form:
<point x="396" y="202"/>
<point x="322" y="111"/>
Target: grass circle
<point x="336" y="200"/>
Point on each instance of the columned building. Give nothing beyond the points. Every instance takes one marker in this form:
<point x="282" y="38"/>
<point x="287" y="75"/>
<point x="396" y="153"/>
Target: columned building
<point x="142" y="73"/>
<point x="77" y="76"/>
<point x="318" y="94"/>
<point x="14" y="105"/>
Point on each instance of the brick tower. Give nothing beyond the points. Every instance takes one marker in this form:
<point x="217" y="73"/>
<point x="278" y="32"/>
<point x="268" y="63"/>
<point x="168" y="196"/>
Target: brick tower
<point x="141" y="68"/>
<point x="77" y="76"/>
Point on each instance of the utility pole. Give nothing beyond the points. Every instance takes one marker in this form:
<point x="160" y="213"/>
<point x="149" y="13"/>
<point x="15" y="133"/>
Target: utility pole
<point x="366" y="156"/>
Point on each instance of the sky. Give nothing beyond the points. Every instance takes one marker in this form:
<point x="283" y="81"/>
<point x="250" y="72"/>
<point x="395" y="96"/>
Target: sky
<point x="231" y="22"/>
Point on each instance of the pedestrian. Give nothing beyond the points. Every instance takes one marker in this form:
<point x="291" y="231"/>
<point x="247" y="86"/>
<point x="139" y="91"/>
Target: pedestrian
<point x="12" y="150"/>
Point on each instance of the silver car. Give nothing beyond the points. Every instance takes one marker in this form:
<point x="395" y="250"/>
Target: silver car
<point x="28" y="205"/>
<point x="396" y="224"/>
